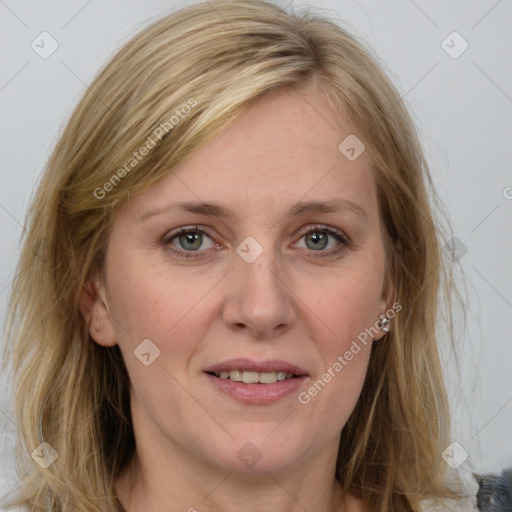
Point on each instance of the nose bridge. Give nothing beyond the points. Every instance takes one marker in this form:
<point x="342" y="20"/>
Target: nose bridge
<point x="261" y="278"/>
<point x="259" y="299"/>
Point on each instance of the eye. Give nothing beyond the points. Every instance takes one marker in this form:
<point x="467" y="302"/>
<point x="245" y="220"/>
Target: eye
<point x="324" y="239"/>
<point x="188" y="240"/>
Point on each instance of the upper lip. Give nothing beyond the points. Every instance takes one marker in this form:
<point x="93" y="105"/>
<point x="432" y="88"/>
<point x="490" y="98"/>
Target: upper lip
<point x="274" y="365"/>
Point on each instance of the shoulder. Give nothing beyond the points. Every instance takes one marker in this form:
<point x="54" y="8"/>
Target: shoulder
<point x="462" y="482"/>
<point x="481" y="493"/>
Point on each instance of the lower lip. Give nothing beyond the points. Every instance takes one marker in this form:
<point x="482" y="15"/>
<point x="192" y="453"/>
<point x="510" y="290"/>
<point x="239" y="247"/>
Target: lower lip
<point x="257" y="393"/>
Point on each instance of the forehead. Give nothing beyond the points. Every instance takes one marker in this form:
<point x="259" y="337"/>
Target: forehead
<point x="284" y="148"/>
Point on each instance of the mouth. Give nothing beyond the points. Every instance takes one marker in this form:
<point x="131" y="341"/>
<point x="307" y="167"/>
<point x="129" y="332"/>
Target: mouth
<point x="251" y="382"/>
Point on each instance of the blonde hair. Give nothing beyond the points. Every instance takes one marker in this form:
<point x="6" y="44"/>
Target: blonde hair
<point x="218" y="58"/>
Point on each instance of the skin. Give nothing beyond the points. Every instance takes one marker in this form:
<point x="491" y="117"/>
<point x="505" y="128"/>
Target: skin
<point x="291" y="303"/>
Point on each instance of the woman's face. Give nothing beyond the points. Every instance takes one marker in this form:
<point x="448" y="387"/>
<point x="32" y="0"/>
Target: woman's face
<point x="262" y="251"/>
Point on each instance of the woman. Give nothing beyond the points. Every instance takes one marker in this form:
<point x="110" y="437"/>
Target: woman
<point x="237" y="272"/>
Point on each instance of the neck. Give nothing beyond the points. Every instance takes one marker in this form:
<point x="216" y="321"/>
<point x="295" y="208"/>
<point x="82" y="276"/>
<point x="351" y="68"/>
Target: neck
<point x="214" y="490"/>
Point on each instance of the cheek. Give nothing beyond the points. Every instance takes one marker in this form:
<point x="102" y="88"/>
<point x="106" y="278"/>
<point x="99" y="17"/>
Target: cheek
<point x="148" y="301"/>
<point x="151" y="303"/>
<point x="348" y="302"/>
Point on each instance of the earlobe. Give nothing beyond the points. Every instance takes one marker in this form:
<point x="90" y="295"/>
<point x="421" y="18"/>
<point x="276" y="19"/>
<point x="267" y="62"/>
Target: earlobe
<point x="95" y="310"/>
<point x="389" y="308"/>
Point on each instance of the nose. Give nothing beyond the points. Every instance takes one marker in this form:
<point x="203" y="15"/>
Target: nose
<point x="259" y="301"/>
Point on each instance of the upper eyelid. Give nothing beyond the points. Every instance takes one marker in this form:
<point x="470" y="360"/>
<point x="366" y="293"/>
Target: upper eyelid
<point x="323" y="227"/>
<point x="185" y="229"/>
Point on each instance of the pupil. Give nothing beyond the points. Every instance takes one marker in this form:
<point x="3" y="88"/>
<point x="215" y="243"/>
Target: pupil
<point x="319" y="240"/>
<point x="194" y="239"/>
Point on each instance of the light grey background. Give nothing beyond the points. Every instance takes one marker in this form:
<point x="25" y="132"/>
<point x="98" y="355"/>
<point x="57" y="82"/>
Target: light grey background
<point x="462" y="107"/>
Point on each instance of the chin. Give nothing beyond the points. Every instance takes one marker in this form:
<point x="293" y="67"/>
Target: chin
<point x="257" y="453"/>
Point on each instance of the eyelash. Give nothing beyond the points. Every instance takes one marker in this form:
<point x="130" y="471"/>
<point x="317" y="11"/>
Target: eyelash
<point x="345" y="242"/>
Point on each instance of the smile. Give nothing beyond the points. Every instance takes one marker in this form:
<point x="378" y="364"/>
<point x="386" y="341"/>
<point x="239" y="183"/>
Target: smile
<point x="256" y="382"/>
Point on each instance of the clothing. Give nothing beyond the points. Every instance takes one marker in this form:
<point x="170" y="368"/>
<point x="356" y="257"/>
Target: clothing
<point x="460" y="479"/>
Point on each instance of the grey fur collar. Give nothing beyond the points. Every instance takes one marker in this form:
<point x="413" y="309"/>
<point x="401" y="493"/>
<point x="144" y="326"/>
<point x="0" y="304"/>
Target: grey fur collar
<point x="495" y="492"/>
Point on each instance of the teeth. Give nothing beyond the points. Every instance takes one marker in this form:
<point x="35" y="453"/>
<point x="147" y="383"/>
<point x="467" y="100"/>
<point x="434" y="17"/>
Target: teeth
<point x="249" y="377"/>
<point x="236" y="375"/>
<point x="267" y="377"/>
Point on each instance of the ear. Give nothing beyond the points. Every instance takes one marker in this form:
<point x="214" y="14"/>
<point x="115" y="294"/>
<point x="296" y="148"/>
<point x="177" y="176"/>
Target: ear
<point x="96" y="312"/>
<point x="387" y="304"/>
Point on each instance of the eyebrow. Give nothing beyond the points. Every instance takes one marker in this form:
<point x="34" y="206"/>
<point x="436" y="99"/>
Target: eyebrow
<point x="218" y="210"/>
